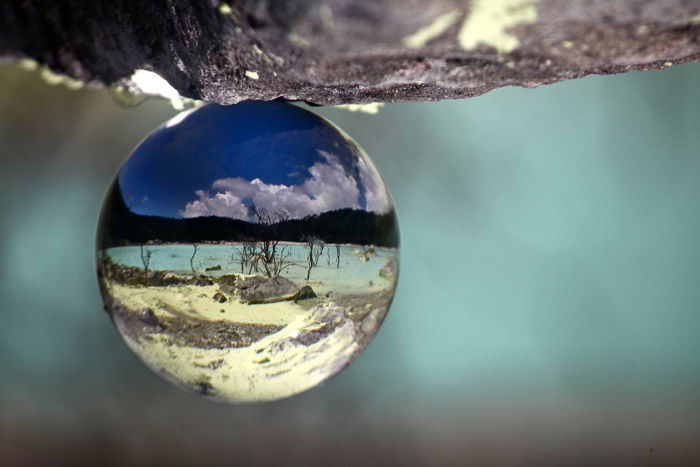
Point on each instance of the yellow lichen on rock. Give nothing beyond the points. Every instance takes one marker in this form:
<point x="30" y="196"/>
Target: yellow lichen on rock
<point x="432" y="31"/>
<point x="28" y="64"/>
<point x="56" y="78"/>
<point x="489" y="20"/>
<point x="372" y="108"/>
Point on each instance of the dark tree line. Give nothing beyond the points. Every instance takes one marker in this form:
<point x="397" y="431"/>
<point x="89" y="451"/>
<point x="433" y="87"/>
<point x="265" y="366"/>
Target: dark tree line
<point x="121" y="226"/>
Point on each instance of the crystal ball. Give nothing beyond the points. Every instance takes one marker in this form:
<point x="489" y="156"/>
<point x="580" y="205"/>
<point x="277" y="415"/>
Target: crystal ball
<point x="247" y="252"/>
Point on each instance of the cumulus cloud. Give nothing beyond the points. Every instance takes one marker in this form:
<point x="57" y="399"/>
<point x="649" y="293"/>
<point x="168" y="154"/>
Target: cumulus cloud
<point x="328" y="188"/>
<point x="376" y="195"/>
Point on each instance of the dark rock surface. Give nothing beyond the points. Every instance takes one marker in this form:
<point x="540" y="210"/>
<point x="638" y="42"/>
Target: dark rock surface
<point x="138" y="277"/>
<point x="348" y="51"/>
<point x="220" y="297"/>
<point x="140" y="324"/>
<point x="260" y="289"/>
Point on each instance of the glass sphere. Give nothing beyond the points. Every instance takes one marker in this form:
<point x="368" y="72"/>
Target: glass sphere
<point x="247" y="252"/>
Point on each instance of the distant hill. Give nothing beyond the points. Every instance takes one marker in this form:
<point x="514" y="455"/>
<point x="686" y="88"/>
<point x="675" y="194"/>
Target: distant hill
<point x="120" y="226"/>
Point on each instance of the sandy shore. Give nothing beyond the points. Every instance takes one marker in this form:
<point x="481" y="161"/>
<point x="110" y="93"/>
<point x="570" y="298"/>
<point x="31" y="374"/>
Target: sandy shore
<point x="237" y="352"/>
<point x="304" y="353"/>
<point x="197" y="302"/>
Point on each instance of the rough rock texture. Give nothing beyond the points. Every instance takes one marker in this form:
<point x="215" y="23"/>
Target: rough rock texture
<point x="258" y="289"/>
<point x="348" y="51"/>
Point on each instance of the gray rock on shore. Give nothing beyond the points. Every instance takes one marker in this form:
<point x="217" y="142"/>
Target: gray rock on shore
<point x="389" y="270"/>
<point x="259" y="289"/>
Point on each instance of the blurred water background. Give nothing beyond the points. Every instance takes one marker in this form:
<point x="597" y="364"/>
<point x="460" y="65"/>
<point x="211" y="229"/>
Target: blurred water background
<point x="548" y="307"/>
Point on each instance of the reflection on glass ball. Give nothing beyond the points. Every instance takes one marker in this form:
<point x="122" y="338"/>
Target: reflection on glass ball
<point x="247" y="252"/>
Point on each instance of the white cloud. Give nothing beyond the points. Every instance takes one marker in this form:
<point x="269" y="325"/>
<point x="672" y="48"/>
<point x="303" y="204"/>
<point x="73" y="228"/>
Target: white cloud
<point x="224" y="204"/>
<point x="376" y="194"/>
<point x="328" y="188"/>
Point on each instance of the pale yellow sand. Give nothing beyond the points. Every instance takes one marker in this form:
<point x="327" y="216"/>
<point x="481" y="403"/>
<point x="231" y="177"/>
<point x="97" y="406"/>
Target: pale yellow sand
<point x="278" y="365"/>
<point x="274" y="367"/>
<point x="191" y="301"/>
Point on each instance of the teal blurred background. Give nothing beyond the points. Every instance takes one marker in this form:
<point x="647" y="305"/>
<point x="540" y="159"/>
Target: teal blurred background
<point x="547" y="313"/>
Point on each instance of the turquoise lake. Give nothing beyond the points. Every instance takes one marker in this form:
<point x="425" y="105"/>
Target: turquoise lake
<point x="358" y="267"/>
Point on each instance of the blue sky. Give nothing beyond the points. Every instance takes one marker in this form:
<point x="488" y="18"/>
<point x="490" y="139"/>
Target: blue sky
<point x="203" y="164"/>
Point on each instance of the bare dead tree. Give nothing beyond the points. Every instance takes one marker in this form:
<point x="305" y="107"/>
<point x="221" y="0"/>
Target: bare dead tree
<point x="194" y="253"/>
<point x="242" y="255"/>
<point x="337" y="255"/>
<point x="146" y="255"/>
<point x="247" y="258"/>
<point x="318" y="252"/>
<point x="267" y="255"/>
<point x="315" y="247"/>
<point x="309" y="258"/>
